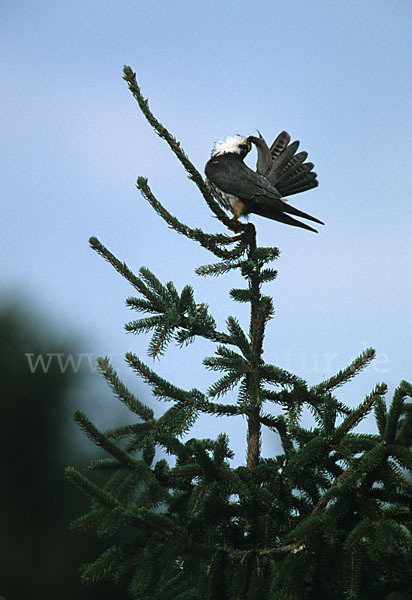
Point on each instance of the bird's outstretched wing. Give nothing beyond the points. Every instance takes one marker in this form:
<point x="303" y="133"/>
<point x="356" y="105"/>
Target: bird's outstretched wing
<point x="233" y="176"/>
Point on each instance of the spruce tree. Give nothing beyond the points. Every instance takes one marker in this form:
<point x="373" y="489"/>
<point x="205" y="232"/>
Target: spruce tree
<point x="329" y="517"/>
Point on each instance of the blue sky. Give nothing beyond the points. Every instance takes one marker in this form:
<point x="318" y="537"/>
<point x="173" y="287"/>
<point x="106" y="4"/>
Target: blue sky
<point x="336" y="75"/>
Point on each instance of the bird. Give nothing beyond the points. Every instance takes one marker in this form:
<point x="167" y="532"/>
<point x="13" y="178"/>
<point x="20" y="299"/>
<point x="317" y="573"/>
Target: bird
<point x="280" y="171"/>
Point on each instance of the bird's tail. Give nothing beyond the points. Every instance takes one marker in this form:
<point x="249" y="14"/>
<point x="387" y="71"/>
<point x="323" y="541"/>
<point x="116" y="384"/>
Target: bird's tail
<point x="289" y="171"/>
<point x="283" y="166"/>
<point x="286" y="170"/>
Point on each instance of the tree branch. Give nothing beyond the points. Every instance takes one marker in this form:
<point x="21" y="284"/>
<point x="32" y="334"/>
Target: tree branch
<point x="174" y="145"/>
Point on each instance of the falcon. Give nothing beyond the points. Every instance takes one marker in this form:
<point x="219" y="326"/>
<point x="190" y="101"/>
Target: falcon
<point x="280" y="171"/>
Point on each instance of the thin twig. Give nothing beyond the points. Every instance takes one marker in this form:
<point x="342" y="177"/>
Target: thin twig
<point x="174" y="145"/>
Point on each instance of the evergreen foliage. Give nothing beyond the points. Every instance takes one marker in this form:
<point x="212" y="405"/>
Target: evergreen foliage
<point x="329" y="517"/>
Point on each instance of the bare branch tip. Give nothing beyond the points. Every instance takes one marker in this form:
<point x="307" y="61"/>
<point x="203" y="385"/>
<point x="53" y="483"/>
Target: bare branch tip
<point x="128" y="73"/>
<point x="94" y="243"/>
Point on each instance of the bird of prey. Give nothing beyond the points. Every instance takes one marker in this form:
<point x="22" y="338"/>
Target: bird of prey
<point x="280" y="171"/>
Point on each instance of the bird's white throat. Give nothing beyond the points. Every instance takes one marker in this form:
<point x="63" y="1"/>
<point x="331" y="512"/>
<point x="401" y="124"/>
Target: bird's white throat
<point x="231" y="144"/>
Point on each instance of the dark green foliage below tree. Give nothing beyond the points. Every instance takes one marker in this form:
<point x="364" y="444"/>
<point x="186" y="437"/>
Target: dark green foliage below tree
<point x="39" y="556"/>
<point x="329" y="517"/>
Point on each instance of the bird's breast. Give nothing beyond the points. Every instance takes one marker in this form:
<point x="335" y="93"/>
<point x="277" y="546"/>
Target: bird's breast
<point x="233" y="203"/>
<point x="239" y="208"/>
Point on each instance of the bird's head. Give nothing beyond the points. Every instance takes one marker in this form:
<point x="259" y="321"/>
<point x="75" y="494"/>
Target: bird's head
<point x="233" y="144"/>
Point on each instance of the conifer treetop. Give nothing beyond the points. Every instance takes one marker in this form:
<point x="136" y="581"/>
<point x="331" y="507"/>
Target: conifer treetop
<point x="329" y="516"/>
